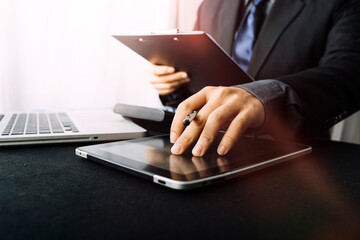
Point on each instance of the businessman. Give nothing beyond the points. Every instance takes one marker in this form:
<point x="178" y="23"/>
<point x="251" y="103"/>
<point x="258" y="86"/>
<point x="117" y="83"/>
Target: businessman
<point x="305" y="56"/>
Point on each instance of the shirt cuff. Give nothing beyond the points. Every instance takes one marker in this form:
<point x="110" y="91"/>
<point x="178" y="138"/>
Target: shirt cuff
<point x="281" y="104"/>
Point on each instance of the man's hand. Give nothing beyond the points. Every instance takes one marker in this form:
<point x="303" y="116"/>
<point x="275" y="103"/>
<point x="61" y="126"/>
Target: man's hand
<point x="165" y="80"/>
<point x="217" y="106"/>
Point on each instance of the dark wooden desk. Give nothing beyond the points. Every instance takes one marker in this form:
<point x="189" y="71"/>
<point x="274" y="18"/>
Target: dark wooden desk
<point x="46" y="192"/>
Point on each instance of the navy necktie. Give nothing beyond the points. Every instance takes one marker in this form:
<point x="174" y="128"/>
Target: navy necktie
<point x="247" y="33"/>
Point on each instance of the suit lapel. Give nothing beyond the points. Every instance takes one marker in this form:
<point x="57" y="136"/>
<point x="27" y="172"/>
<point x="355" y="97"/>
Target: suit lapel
<point x="228" y="14"/>
<point x="281" y="15"/>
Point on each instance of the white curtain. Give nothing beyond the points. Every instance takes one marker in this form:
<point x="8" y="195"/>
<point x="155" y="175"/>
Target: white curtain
<point x="60" y="53"/>
<point x="187" y="13"/>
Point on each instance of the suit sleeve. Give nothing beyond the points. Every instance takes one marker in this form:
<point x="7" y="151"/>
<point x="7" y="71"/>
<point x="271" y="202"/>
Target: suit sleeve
<point x="310" y="102"/>
<point x="284" y="115"/>
<point x="330" y="92"/>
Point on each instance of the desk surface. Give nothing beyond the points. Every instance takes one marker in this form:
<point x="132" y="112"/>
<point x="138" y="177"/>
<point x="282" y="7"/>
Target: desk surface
<point x="46" y="192"/>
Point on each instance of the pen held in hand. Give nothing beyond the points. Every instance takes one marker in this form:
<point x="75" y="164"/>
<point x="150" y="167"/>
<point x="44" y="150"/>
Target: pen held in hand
<point x="189" y="118"/>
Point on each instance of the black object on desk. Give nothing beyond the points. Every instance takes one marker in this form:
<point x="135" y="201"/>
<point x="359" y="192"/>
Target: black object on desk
<point x="153" y="119"/>
<point x="49" y="193"/>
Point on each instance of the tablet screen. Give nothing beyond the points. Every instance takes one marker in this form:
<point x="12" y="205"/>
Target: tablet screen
<point x="152" y="155"/>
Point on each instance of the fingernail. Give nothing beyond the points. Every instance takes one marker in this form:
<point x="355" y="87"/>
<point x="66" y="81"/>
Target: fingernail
<point x="222" y="150"/>
<point x="173" y="137"/>
<point x="169" y="70"/>
<point x="184" y="75"/>
<point x="176" y="149"/>
<point x="197" y="151"/>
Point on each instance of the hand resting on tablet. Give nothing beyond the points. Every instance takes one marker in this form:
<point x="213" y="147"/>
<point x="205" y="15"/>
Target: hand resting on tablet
<point x="217" y="106"/>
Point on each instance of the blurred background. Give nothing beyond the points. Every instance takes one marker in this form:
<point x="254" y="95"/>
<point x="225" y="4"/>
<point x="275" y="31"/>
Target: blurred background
<point x="61" y="54"/>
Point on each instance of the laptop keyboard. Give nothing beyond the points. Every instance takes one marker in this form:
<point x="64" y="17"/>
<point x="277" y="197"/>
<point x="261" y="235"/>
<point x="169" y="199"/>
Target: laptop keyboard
<point x="39" y="123"/>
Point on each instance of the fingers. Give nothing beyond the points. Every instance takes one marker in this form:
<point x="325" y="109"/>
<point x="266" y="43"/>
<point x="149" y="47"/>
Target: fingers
<point x="166" y="91"/>
<point x="206" y="131"/>
<point x="194" y="102"/>
<point x="169" y="78"/>
<point x="166" y="88"/>
<point x="235" y="130"/>
<point x="218" y="106"/>
<point x="205" y="126"/>
<point x="215" y="120"/>
<point x="190" y="134"/>
<point x="165" y="80"/>
<point x="169" y="83"/>
<point x="160" y="70"/>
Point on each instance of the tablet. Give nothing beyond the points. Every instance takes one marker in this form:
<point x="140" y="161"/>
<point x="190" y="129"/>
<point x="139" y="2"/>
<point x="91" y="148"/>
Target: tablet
<point x="151" y="158"/>
<point x="196" y="53"/>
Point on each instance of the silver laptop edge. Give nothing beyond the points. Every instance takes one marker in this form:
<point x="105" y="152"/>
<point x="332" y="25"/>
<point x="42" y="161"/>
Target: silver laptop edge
<point x="92" y="125"/>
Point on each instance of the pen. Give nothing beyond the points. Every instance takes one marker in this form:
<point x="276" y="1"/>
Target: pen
<point x="189" y="118"/>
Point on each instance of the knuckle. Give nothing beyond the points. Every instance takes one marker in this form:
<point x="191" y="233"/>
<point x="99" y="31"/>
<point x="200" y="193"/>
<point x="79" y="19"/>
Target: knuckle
<point x="184" y="106"/>
<point x="239" y="123"/>
<point x="207" y="89"/>
<point x="181" y="75"/>
<point x="216" y="117"/>
<point x="199" y="120"/>
<point x="206" y="138"/>
<point x="155" y="79"/>
<point x="170" y="78"/>
<point x="244" y="120"/>
<point x="165" y="78"/>
<point x="175" y="84"/>
<point x="157" y="69"/>
<point x="223" y="91"/>
<point x="229" y="138"/>
<point x="186" y="139"/>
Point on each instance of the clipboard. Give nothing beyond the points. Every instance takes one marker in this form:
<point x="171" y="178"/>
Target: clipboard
<point x="196" y="53"/>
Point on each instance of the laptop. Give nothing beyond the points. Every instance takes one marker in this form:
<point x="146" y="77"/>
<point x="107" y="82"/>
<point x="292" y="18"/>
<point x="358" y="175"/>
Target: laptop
<point x="22" y="128"/>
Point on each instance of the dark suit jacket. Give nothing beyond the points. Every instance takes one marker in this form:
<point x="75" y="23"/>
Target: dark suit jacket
<point x="313" y="46"/>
